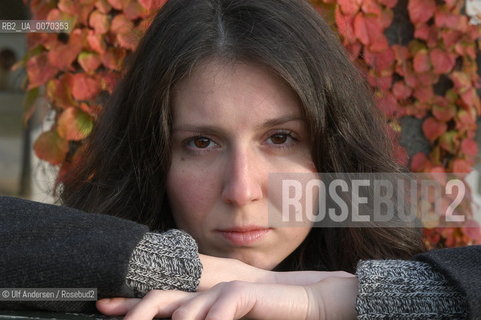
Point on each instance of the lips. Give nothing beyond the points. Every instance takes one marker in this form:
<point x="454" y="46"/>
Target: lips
<point x="243" y="236"/>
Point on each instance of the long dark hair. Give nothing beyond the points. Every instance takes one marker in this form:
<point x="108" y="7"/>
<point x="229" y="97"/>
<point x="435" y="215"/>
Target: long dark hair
<point x="128" y="156"/>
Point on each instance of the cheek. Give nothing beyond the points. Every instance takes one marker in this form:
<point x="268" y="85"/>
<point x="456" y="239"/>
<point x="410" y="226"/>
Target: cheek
<point x="191" y="195"/>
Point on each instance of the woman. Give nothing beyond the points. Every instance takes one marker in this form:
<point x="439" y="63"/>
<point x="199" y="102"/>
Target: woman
<point x="218" y="95"/>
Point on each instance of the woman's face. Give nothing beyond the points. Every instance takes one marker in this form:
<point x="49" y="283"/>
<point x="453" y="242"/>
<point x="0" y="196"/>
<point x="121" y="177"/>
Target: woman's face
<point x="232" y="126"/>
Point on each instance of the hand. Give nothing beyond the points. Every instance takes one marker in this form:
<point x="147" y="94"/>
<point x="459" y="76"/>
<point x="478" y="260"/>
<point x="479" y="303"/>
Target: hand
<point x="332" y="298"/>
<point x="218" y="270"/>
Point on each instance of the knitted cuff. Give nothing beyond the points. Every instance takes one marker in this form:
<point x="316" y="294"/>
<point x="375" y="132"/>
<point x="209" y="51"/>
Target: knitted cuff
<point x="399" y="289"/>
<point x="164" y="261"/>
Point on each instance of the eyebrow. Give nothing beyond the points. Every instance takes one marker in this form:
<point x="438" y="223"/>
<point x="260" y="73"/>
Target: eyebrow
<point x="214" y="129"/>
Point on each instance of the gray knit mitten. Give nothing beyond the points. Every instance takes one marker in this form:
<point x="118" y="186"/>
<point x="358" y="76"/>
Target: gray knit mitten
<point x="164" y="261"/>
<point x="399" y="289"/>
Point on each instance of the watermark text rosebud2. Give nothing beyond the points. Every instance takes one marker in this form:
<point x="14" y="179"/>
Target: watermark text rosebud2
<point x="369" y="200"/>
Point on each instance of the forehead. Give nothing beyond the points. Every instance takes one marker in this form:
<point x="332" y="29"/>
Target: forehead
<point x="225" y="90"/>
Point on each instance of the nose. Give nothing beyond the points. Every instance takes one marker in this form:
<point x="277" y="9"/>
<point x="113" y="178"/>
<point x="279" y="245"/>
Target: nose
<point x="243" y="181"/>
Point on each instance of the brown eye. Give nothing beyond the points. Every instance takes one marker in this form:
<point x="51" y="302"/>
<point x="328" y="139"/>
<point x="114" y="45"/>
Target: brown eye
<point x="279" y="138"/>
<point x="201" y="142"/>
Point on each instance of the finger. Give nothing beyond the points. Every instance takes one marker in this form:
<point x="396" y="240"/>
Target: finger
<point x="198" y="307"/>
<point x="302" y="278"/>
<point x="116" y="306"/>
<point x="158" y="303"/>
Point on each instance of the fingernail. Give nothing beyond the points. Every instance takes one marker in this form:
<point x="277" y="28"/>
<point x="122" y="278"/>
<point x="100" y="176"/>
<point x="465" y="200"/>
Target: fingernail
<point x="105" y="300"/>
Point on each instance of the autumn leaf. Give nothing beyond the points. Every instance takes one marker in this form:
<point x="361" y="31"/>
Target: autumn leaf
<point x="444" y="112"/>
<point x="39" y="70"/>
<point x="130" y="39"/>
<point x="461" y="166"/>
<point x="443" y="62"/>
<point x="370" y="7"/>
<point x="423" y="93"/>
<point x="388" y="3"/>
<point x="345" y="26"/>
<point x="419" y="162"/>
<point x="100" y="22"/>
<point x="401" y="91"/>
<point x="74" y="124"/>
<point x="433" y="128"/>
<point x="59" y="91"/>
<point x="119" y="4"/>
<point x="114" y="58"/>
<point x="135" y="10"/>
<point x="96" y="42"/>
<point x="157" y="4"/>
<point x="103" y="6"/>
<point x="421" y="11"/>
<point x="449" y="141"/>
<point x="388" y="104"/>
<point x="89" y="61"/>
<point x="120" y="24"/>
<point x="85" y="87"/>
<point x="108" y="80"/>
<point x="421" y="61"/>
<point x="50" y="147"/>
<point x="62" y="55"/>
<point x="469" y="147"/>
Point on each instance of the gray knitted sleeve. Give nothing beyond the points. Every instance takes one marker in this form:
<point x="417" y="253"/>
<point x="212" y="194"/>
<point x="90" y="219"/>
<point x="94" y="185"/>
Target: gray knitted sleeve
<point x="399" y="289"/>
<point x="164" y="261"/>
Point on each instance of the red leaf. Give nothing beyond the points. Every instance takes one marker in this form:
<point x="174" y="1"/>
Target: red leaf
<point x="120" y="24"/>
<point x="345" y="26"/>
<point x="383" y="61"/>
<point x="96" y="42"/>
<point x="134" y="10"/>
<point x="114" y="58"/>
<point x="84" y="87"/>
<point x="108" y="80"/>
<point x="63" y="55"/>
<point x="444" y="113"/>
<point x="388" y="3"/>
<point x="448" y="20"/>
<point x="119" y="4"/>
<point x="89" y="61"/>
<point x="152" y="4"/>
<point x="79" y="9"/>
<point x="370" y="7"/>
<point x="461" y="166"/>
<point x="401" y="91"/>
<point x="99" y="22"/>
<point x="388" y="104"/>
<point x="461" y="80"/>
<point x="74" y="124"/>
<point x="423" y="93"/>
<point x="50" y="147"/>
<point x="360" y="29"/>
<point x="449" y="141"/>
<point x="471" y="99"/>
<point x="386" y="18"/>
<point x="450" y="37"/>
<point x="421" y="11"/>
<point x="419" y="162"/>
<point x="103" y="6"/>
<point x="433" y="129"/>
<point x="59" y="92"/>
<point x="129" y="40"/>
<point x="443" y="62"/>
<point x="469" y="147"/>
<point x="421" y="61"/>
<point x="39" y="70"/>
